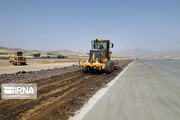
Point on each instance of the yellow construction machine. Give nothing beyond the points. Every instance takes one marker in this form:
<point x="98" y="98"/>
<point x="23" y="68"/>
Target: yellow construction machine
<point x="99" y="57"/>
<point x="18" y="58"/>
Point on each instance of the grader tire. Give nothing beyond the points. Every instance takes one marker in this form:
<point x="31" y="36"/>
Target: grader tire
<point x="108" y="67"/>
<point x="85" y="69"/>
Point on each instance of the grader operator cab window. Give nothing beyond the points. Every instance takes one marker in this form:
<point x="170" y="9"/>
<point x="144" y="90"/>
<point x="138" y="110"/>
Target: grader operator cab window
<point x="19" y="54"/>
<point x="101" y="47"/>
<point x="100" y="44"/>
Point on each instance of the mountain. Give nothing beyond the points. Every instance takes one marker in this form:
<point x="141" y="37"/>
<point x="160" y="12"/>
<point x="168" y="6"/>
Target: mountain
<point x="6" y="51"/>
<point x="133" y="53"/>
<point x="67" y="52"/>
<point x="10" y="50"/>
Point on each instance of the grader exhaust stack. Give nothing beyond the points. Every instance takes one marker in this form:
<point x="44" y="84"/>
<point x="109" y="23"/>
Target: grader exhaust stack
<point x="99" y="57"/>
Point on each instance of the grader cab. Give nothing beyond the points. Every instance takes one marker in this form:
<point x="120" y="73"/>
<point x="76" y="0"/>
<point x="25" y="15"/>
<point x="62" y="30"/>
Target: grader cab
<point x="99" y="57"/>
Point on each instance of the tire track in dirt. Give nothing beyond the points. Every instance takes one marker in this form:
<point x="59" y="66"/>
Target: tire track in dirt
<point x="51" y="100"/>
<point x="43" y="89"/>
<point x="55" y="101"/>
<point x="24" y="104"/>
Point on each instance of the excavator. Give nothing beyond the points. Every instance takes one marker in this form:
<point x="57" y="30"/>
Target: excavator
<point x="100" y="57"/>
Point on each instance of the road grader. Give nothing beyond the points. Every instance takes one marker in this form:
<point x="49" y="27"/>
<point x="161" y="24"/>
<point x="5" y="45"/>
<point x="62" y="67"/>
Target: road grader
<point x="100" y="57"/>
<point x="18" y="58"/>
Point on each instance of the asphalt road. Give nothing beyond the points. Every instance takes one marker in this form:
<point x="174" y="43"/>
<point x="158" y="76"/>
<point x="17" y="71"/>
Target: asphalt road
<point x="148" y="90"/>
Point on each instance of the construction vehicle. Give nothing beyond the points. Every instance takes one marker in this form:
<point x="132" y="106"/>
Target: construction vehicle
<point x="18" y="58"/>
<point x="99" y="57"/>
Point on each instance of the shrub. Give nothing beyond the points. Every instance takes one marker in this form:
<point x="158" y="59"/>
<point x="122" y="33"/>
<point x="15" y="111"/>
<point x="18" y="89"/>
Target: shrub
<point x="37" y="55"/>
<point x="61" y="56"/>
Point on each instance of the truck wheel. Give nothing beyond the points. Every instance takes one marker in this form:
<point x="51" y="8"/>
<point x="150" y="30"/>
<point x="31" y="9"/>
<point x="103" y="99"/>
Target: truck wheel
<point x="85" y="69"/>
<point x="108" y="67"/>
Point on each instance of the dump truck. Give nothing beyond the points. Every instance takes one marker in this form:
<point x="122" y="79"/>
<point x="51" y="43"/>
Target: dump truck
<point x="100" y="57"/>
<point x="18" y="58"/>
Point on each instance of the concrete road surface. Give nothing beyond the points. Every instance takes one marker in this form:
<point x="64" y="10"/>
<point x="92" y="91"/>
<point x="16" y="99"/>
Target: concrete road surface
<point x="148" y="90"/>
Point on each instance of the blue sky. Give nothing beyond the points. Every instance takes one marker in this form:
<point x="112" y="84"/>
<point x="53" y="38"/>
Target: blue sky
<point x="71" y="24"/>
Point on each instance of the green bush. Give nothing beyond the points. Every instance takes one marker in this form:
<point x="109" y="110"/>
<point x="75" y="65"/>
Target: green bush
<point x="50" y="54"/>
<point x="37" y="55"/>
<point x="61" y="56"/>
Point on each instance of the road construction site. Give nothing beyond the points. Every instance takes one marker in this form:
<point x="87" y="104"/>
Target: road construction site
<point x="61" y="92"/>
<point x="145" y="90"/>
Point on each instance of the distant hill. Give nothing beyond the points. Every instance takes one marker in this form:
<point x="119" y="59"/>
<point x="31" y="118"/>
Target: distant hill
<point x="11" y="50"/>
<point x="143" y="53"/>
<point x="65" y="52"/>
<point x="57" y="52"/>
